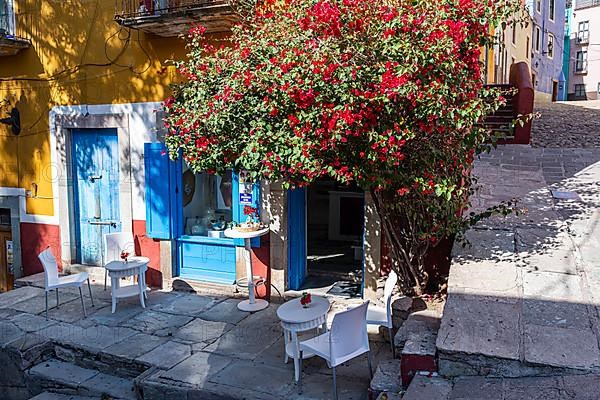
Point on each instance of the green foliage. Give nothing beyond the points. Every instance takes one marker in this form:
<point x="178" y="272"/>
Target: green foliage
<point x="388" y="95"/>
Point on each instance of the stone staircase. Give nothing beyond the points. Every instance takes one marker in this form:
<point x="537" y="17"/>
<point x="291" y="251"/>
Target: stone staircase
<point x="56" y="376"/>
<point x="59" y="396"/>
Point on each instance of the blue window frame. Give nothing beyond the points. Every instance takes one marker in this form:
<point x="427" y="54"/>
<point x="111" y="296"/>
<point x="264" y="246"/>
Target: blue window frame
<point x="197" y="256"/>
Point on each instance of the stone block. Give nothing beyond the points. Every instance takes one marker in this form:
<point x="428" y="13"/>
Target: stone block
<point x="485" y="278"/>
<point x="556" y="314"/>
<point x="157" y="323"/>
<point x="486" y="244"/>
<point x="30" y="322"/>
<point x="37" y="304"/>
<point x="166" y="355"/>
<point x="134" y="346"/>
<point x="246" y="374"/>
<point x="58" y="396"/>
<point x="476" y="325"/>
<point x="23" y="294"/>
<point x="553" y="287"/>
<point x="477" y="388"/>
<point x="582" y="387"/>
<point x="430" y="388"/>
<point x="386" y="378"/>
<point x="104" y="385"/>
<point x="187" y="304"/>
<point x="225" y="311"/>
<point x="246" y="341"/>
<point x="196" y="369"/>
<point x="562" y="348"/>
<point x="200" y="330"/>
<point x="59" y="372"/>
<point x="547" y="388"/>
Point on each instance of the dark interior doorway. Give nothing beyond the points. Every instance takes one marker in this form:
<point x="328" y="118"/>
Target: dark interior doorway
<point x="335" y="226"/>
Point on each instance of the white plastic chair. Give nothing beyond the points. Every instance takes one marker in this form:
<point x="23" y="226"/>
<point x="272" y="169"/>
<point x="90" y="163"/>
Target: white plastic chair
<point x="114" y="244"/>
<point x="381" y="316"/>
<point x="346" y="340"/>
<point x="53" y="281"/>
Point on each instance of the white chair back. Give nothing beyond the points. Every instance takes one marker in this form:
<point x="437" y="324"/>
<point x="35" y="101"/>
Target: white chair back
<point x="390" y="284"/>
<point x="115" y="243"/>
<point x="50" y="267"/>
<point x="349" y="333"/>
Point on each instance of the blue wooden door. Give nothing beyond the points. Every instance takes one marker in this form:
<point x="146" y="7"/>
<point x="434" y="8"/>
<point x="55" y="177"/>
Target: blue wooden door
<point x="95" y="156"/>
<point x="296" y="238"/>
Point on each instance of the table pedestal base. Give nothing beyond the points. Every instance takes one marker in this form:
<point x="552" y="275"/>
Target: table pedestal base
<point x="259" y="304"/>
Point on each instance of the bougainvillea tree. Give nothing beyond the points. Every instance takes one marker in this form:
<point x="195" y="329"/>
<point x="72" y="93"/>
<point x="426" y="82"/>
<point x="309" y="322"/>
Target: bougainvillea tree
<point x="388" y="95"/>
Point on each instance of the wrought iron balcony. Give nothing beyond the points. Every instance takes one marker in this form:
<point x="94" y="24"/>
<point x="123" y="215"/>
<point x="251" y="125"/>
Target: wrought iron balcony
<point x="174" y="17"/>
<point x="10" y="43"/>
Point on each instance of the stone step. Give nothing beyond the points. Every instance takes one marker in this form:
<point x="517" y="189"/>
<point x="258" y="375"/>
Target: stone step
<point x="59" y="396"/>
<point x="433" y="387"/>
<point x="415" y="342"/>
<point x="386" y="379"/>
<point x="67" y="378"/>
<point x="429" y="387"/>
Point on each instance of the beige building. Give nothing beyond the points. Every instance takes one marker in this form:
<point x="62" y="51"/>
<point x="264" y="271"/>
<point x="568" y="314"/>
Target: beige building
<point x="513" y="46"/>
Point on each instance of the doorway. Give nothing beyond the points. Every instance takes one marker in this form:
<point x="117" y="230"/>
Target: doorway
<point x="554" y="91"/>
<point x="334" y="238"/>
<point x="95" y="158"/>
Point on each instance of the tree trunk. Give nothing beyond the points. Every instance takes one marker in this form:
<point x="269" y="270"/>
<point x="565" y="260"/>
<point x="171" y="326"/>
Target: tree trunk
<point x="407" y="250"/>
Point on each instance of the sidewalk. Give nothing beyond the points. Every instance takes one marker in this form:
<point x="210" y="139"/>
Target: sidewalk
<point x="523" y="299"/>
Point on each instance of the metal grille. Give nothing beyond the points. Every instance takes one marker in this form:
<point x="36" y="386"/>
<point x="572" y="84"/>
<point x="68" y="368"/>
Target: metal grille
<point x="586" y="3"/>
<point x="7" y="18"/>
<point x="142" y="8"/>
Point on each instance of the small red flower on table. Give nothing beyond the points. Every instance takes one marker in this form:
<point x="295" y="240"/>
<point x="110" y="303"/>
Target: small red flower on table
<point x="305" y="300"/>
<point x="124" y="255"/>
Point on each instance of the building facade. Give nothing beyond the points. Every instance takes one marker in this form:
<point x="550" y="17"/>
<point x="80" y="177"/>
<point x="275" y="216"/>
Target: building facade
<point x="513" y="46"/>
<point x="81" y="91"/>
<point x="584" y="52"/>
<point x="547" y="33"/>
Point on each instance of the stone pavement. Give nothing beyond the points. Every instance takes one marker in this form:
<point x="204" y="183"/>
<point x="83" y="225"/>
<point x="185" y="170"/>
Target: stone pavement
<point x="573" y="387"/>
<point x="181" y="346"/>
<point x="523" y="298"/>
<point x="570" y="124"/>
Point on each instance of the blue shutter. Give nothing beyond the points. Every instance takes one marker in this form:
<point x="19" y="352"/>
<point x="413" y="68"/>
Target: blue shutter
<point x="296" y="238"/>
<point x="162" y="192"/>
<point x="238" y="207"/>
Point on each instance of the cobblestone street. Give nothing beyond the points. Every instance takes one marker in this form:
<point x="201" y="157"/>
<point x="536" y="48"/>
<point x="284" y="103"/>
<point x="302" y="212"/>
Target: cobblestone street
<point x="576" y="124"/>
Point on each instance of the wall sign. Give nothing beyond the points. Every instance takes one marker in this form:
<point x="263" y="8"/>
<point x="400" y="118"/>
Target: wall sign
<point x="246" y="199"/>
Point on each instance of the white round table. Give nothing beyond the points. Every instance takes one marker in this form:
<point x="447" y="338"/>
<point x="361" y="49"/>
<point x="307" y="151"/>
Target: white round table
<point x="135" y="266"/>
<point x="252" y="304"/>
<point x="295" y="318"/>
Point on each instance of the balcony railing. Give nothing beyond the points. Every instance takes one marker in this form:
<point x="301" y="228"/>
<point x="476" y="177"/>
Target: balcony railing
<point x="579" y="4"/>
<point x="174" y="17"/>
<point x="10" y="43"/>
<point x="583" y="37"/>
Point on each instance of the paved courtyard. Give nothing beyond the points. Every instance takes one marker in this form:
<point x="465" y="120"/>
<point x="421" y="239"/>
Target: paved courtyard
<point x="571" y="125"/>
<point x="524" y="296"/>
<point x="182" y="346"/>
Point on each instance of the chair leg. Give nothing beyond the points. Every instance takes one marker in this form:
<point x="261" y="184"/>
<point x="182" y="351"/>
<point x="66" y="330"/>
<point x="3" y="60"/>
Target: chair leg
<point x="370" y="364"/>
<point x="300" y="378"/>
<point x="105" y="275"/>
<point x="90" y="289"/>
<point x="57" y="298"/>
<point x="46" y="305"/>
<point x="391" y="331"/>
<point x="82" y="303"/>
<point x="335" y="396"/>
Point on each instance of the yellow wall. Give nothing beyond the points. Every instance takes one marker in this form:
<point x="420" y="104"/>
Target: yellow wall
<point x="67" y="36"/>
